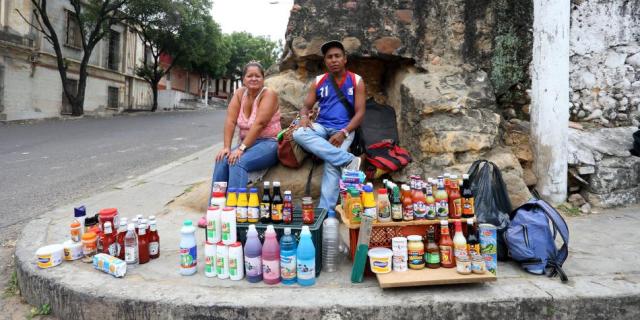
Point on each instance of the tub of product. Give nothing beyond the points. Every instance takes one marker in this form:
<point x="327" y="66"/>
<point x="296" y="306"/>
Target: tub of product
<point x="380" y="260"/>
<point x="49" y="256"/>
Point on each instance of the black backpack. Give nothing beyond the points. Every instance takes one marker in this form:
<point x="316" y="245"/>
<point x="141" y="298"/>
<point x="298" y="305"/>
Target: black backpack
<point x="636" y="144"/>
<point x="379" y="124"/>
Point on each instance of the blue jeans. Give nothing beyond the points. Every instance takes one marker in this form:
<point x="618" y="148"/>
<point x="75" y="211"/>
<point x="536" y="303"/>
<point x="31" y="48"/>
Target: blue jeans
<point x="316" y="141"/>
<point x="261" y="155"/>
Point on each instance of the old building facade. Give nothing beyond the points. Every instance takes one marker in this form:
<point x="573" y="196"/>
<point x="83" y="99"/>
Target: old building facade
<point x="30" y="85"/>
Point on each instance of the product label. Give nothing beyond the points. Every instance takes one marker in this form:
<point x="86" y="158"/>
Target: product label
<point x="233" y="266"/>
<point x="431" y="211"/>
<point x="253" y="213"/>
<point x="420" y="210"/>
<point x="271" y="269"/>
<point x="468" y="206"/>
<point x="188" y="257"/>
<point x="415" y="257"/>
<point x="432" y="257"/>
<point x="442" y="209"/>
<point x="287" y="213"/>
<point x="226" y="231"/>
<point x="288" y="267"/>
<point x="208" y="264"/>
<point x="396" y="211"/>
<point x="241" y="213"/>
<point x="473" y="248"/>
<point x="407" y="212"/>
<point x="446" y="254"/>
<point x="220" y="260"/>
<point x="253" y="266"/>
<point x="370" y="212"/>
<point x="130" y="254"/>
<point x="276" y="212"/>
<point x="457" y="206"/>
<point x="356" y="211"/>
<point x="460" y="251"/>
<point x="113" y="249"/>
<point x="154" y="248"/>
<point x="306" y="269"/>
<point x="265" y="210"/>
<point x="384" y="211"/>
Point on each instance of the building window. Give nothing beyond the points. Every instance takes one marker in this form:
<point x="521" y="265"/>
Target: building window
<point x="113" y="57"/>
<point x="73" y="36"/>
<point x="112" y="98"/>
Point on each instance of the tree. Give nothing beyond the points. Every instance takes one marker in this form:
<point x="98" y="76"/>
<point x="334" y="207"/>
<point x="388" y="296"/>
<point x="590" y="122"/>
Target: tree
<point x="94" y="19"/>
<point x="245" y="47"/>
<point x="178" y="29"/>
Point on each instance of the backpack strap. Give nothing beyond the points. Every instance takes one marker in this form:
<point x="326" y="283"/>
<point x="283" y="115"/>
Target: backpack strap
<point x="559" y="226"/>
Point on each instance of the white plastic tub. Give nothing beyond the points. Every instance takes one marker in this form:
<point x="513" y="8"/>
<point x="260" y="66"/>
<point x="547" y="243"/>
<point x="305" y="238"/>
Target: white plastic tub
<point x="380" y="260"/>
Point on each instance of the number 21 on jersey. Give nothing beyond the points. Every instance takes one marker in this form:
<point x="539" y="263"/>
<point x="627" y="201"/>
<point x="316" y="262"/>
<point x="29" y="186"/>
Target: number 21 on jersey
<point x="324" y="92"/>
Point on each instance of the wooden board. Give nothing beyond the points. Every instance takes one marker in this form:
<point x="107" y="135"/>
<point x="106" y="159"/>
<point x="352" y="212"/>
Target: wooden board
<point x="347" y="222"/>
<point x="430" y="277"/>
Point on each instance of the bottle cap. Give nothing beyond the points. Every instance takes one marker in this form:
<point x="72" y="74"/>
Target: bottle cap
<point x="89" y="236"/>
<point x="287" y="192"/>
<point x="151" y="218"/>
<point x="252" y="227"/>
<point x="382" y="191"/>
<point x="465" y="176"/>
<point x="305" y="230"/>
<point x="123" y="223"/>
<point x="231" y="190"/>
<point x="367" y="188"/>
<point x="331" y="214"/>
<point x="131" y="226"/>
<point x="266" y="183"/>
<point x="242" y="190"/>
<point x="454" y="176"/>
<point x="470" y="220"/>
<point x="80" y="211"/>
<point x="186" y="223"/>
<point x="444" y="222"/>
<point x="218" y="194"/>
<point x="276" y="183"/>
<point x="355" y="193"/>
<point x="139" y="216"/>
<point x="75" y="224"/>
<point x="142" y="229"/>
<point x="253" y="190"/>
<point x="287" y="231"/>
<point x="270" y="229"/>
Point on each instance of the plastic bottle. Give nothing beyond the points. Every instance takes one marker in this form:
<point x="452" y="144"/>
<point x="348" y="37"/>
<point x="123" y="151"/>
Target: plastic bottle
<point x="236" y="262"/>
<point x="188" y="249"/>
<point x="253" y="255"/>
<point x="383" y="206"/>
<point x="131" y="245"/>
<point x="80" y="214"/>
<point x="442" y="200"/>
<point x="271" y="257"/>
<point x="306" y="258"/>
<point x="407" y="203"/>
<point x="109" y="241"/>
<point x="241" y="208"/>
<point x="253" y="207"/>
<point x="455" y="201"/>
<point x="232" y="198"/>
<point x="459" y="242"/>
<point x="154" y="240"/>
<point x="330" y="242"/>
<point x="276" y="204"/>
<point x="210" y="260"/>
<point x="228" y="221"/>
<point x="287" y="207"/>
<point x="288" y="265"/>
<point x="143" y="244"/>
<point x="222" y="260"/>
<point x="396" y="204"/>
<point x="122" y="231"/>
<point x="419" y="202"/>
<point x="468" y="203"/>
<point x="446" y="246"/>
<point x="369" y="203"/>
<point x="430" y="203"/>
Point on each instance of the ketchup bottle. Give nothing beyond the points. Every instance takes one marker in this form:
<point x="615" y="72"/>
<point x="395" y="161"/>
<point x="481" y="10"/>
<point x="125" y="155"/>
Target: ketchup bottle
<point x="446" y="246"/>
<point x="109" y="243"/>
<point x="143" y="244"/>
<point x="122" y="231"/>
<point x="154" y="241"/>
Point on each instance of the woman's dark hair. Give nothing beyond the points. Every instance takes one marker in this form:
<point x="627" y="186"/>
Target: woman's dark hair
<point x="252" y="64"/>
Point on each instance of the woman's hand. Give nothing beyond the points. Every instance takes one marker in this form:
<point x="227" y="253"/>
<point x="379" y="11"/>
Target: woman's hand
<point x="222" y="153"/>
<point x="234" y="156"/>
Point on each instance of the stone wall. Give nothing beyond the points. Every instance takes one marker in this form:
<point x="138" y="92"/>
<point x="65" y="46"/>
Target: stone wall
<point x="605" y="62"/>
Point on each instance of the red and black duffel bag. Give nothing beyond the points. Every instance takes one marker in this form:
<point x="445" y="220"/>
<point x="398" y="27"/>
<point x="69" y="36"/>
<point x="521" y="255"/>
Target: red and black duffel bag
<point x="385" y="157"/>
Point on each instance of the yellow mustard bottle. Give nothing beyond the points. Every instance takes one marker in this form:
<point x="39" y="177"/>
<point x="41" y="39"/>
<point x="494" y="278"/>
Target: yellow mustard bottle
<point x="253" y="207"/>
<point x="241" y="206"/>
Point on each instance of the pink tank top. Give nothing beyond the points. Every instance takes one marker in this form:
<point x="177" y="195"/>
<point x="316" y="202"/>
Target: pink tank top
<point x="272" y="128"/>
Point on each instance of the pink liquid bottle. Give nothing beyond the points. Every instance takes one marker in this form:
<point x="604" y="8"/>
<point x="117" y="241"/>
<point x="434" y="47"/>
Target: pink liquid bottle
<point x="271" y="257"/>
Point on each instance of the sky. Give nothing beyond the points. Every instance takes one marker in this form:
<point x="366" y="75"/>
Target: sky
<point x="258" y="17"/>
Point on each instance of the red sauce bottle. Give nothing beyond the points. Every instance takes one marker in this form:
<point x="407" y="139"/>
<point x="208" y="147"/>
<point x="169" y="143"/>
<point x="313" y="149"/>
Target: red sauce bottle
<point x="455" y="200"/>
<point x="154" y="241"/>
<point x="109" y="243"/>
<point x="143" y="244"/>
<point x="122" y="231"/>
<point x="446" y="246"/>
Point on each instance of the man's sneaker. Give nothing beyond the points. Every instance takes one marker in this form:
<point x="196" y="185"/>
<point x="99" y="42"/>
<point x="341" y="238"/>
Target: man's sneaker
<point x="354" y="165"/>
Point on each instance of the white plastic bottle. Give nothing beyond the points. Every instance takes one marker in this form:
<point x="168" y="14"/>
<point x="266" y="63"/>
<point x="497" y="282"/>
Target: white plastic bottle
<point x="330" y="243"/>
<point x="222" y="261"/>
<point x="228" y="221"/>
<point x="236" y="262"/>
<point x="210" y="260"/>
<point x="131" y="245"/>
<point x="188" y="249"/>
<point x="213" y="224"/>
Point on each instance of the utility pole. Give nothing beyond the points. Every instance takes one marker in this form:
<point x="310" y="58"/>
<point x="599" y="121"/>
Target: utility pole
<point x="550" y="97"/>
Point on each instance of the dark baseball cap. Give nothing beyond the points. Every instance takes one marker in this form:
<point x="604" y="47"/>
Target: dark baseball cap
<point x="331" y="44"/>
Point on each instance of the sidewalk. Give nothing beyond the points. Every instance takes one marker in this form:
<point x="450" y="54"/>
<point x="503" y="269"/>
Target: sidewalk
<point x="602" y="268"/>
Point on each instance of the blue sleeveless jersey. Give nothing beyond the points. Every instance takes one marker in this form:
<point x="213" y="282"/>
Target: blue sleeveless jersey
<point x="333" y="114"/>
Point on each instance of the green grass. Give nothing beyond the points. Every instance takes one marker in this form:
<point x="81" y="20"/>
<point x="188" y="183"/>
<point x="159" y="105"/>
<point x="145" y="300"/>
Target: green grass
<point x="42" y="310"/>
<point x="12" y="290"/>
<point x="569" y="210"/>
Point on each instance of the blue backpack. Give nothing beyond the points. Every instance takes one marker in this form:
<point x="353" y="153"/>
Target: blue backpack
<point x="531" y="238"/>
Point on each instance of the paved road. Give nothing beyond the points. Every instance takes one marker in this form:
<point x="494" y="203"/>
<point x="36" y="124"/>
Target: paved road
<point x="50" y="163"/>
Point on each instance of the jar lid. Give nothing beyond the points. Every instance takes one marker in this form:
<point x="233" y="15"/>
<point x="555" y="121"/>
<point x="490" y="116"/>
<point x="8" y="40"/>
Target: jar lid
<point x="108" y="212"/>
<point x="89" y="236"/>
<point x="463" y="258"/>
<point x="414" y="238"/>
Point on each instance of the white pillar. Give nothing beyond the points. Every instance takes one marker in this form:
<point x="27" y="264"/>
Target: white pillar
<point x="550" y="97"/>
<point x="206" y="91"/>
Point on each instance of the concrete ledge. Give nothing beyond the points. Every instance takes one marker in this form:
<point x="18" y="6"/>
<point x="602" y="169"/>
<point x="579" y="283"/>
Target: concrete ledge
<point x="602" y="286"/>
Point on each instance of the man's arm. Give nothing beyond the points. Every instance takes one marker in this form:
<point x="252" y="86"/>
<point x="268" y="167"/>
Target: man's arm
<point x="307" y="105"/>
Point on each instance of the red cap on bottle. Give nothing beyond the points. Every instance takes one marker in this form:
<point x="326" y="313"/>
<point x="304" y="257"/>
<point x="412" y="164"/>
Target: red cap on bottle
<point x="382" y="191"/>
<point x="458" y="226"/>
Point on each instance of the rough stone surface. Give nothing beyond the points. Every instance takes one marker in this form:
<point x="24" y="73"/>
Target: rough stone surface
<point x="291" y="93"/>
<point x="576" y="200"/>
<point x="597" y="289"/>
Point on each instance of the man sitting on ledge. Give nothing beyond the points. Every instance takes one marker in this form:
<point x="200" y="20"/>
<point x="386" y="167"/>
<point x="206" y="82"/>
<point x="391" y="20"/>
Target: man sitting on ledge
<point x="331" y="135"/>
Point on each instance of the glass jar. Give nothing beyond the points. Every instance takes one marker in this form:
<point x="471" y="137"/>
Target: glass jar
<point x="416" y="252"/>
<point x="307" y="210"/>
<point x="463" y="265"/>
<point x="477" y="264"/>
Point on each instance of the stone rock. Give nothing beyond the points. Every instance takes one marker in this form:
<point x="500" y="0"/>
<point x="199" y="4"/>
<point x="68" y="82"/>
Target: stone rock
<point x="517" y="137"/>
<point x="303" y="48"/>
<point x="615" y="59"/>
<point x="351" y="44"/>
<point x="441" y="160"/>
<point x="607" y="103"/>
<point x="576" y="200"/>
<point x="634" y="60"/>
<point x="583" y="80"/>
<point x="614" y="173"/>
<point x="585" y="146"/>
<point x="291" y="93"/>
<point x="529" y="177"/>
<point x="614" y="199"/>
<point x="517" y="189"/>
<point x="404" y="16"/>
<point x="387" y="45"/>
<point x="584" y="170"/>
<point x="594" y="115"/>
<point x="585" y="208"/>
<point x="296" y="179"/>
<point x="457" y="133"/>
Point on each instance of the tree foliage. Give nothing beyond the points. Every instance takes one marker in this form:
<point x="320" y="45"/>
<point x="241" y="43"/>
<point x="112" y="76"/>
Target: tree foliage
<point x="245" y="47"/>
